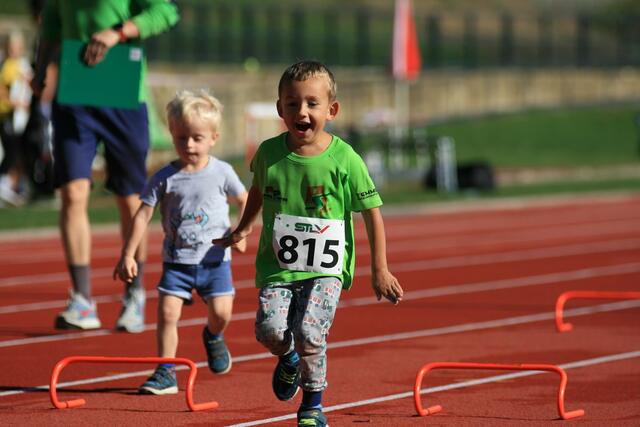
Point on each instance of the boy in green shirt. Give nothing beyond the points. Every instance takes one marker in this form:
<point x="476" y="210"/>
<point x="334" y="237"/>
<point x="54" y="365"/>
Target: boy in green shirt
<point x="308" y="182"/>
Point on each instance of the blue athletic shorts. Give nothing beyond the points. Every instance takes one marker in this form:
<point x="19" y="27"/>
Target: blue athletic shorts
<point x="125" y="132"/>
<point x="208" y="281"/>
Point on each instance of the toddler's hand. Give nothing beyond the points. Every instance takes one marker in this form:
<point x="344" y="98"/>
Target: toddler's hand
<point x="126" y="269"/>
<point x="386" y="285"/>
<point x="240" y="246"/>
<point x="233" y="239"/>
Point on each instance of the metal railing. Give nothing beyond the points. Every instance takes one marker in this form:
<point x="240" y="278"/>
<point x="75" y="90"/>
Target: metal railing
<point x="230" y="33"/>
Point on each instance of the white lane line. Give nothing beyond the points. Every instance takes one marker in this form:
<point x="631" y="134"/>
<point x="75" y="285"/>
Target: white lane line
<point x="435" y="244"/>
<point x="446" y="262"/>
<point x="442" y="233"/>
<point x="511" y="283"/>
<point x="496" y="378"/>
<point x="465" y="327"/>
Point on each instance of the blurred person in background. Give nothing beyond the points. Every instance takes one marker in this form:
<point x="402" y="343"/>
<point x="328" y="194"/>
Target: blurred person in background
<point x="37" y="149"/>
<point x="78" y="130"/>
<point x="15" y="73"/>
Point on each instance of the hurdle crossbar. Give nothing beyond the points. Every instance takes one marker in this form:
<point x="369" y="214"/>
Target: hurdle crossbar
<point x="493" y="366"/>
<point x="563" y="326"/>
<point x="74" y="403"/>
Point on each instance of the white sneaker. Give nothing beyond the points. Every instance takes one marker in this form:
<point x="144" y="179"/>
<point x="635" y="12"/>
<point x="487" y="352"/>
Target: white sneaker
<point x="132" y="315"/>
<point x="8" y="195"/>
<point x="79" y="314"/>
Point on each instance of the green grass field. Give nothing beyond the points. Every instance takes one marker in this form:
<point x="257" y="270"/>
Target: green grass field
<point x="596" y="137"/>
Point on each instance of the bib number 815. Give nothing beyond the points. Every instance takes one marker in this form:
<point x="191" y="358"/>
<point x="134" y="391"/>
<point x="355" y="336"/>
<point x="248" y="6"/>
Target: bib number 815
<point x="289" y="247"/>
<point x="308" y="244"/>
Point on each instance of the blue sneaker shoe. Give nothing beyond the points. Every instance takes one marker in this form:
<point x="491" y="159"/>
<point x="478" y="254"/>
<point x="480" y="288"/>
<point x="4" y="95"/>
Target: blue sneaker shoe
<point x="131" y="317"/>
<point x="218" y="356"/>
<point x="163" y="381"/>
<point x="286" y="378"/>
<point x="311" y="418"/>
<point x="79" y="314"/>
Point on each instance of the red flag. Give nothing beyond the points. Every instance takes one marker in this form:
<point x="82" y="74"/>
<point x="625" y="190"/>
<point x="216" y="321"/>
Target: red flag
<point x="406" y="52"/>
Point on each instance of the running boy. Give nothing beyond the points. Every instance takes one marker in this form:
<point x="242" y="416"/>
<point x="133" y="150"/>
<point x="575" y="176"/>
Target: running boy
<point x="192" y="192"/>
<point x="308" y="182"/>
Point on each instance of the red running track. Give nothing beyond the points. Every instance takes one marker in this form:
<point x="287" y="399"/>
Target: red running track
<point x="481" y="284"/>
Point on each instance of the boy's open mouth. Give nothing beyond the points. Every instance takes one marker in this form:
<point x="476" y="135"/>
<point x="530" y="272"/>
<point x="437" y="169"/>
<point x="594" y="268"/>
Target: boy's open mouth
<point x="303" y="126"/>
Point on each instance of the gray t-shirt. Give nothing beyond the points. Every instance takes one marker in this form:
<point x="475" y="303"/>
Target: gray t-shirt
<point x="194" y="210"/>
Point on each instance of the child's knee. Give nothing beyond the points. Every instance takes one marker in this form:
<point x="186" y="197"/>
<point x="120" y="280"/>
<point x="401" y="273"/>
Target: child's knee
<point x="169" y="316"/>
<point x="269" y="335"/>
<point x="221" y="308"/>
<point x="310" y="341"/>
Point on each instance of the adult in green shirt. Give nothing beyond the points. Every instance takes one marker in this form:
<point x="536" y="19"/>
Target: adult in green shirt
<point x="78" y="129"/>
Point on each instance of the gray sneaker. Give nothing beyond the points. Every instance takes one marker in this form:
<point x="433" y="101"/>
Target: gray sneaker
<point x="132" y="315"/>
<point x="218" y="356"/>
<point x="80" y="313"/>
<point x="163" y="381"/>
<point x="312" y="418"/>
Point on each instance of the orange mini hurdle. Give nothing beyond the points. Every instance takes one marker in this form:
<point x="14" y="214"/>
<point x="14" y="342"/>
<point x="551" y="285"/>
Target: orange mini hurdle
<point x="493" y="366"/>
<point x="100" y="359"/>
<point x="561" y="326"/>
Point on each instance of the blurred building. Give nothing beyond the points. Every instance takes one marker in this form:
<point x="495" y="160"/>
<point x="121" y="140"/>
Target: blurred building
<point x="479" y="56"/>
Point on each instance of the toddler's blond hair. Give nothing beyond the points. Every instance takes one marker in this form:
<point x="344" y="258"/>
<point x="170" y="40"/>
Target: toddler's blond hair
<point x="187" y="104"/>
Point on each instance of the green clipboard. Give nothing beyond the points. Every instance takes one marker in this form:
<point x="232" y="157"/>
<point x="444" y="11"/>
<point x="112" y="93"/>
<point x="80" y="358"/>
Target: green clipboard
<point x="114" y="82"/>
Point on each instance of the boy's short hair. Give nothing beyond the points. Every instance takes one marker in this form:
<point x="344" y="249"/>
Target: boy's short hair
<point x="303" y="70"/>
<point x="187" y="104"/>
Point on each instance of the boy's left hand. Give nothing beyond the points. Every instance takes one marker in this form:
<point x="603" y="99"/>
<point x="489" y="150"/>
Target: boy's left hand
<point x="386" y="285"/>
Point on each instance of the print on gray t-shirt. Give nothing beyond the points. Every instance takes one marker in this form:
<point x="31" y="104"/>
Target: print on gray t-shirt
<point x="194" y="210"/>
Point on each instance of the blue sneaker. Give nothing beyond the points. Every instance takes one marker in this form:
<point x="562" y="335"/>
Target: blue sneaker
<point x="163" y="381"/>
<point x="79" y="314"/>
<point x="218" y="356"/>
<point x="286" y="379"/>
<point x="131" y="317"/>
<point x="311" y="418"/>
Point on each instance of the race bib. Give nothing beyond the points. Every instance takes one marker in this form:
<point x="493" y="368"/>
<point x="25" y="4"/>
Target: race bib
<point x="309" y="244"/>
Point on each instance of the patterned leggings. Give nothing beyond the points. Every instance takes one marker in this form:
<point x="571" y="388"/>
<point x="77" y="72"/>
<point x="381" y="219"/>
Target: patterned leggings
<point x="298" y="316"/>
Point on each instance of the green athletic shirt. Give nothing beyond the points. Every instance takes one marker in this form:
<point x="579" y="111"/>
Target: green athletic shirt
<point x="80" y="19"/>
<point x="331" y="185"/>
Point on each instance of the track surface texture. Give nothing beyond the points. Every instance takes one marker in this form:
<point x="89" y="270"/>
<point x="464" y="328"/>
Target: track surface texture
<point x="480" y="285"/>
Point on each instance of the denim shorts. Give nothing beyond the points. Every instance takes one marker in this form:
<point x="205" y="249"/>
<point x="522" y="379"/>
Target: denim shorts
<point x="208" y="280"/>
<point x="78" y="130"/>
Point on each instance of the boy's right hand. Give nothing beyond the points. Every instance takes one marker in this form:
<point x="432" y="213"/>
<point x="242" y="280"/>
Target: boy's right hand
<point x="126" y="269"/>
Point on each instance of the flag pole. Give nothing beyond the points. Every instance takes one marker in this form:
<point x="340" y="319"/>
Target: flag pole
<point x="406" y="67"/>
<point x="401" y="130"/>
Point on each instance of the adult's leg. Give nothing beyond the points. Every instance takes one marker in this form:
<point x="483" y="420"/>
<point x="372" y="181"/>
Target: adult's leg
<point x="76" y="238"/>
<point x="74" y="147"/>
<point x="126" y="137"/>
<point x="75" y="232"/>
